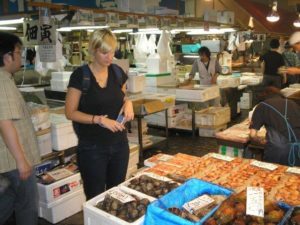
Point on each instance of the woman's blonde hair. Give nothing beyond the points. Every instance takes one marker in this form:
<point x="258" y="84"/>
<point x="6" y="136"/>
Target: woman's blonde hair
<point x="103" y="39"/>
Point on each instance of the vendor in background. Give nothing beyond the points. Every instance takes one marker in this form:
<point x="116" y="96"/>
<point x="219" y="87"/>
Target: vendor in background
<point x="207" y="67"/>
<point x="295" y="43"/>
<point x="291" y="60"/>
<point x="281" y="118"/>
<point x="271" y="61"/>
<point x="103" y="149"/>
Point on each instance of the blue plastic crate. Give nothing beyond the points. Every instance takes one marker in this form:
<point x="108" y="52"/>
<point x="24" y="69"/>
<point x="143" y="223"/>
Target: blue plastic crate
<point x="157" y="211"/>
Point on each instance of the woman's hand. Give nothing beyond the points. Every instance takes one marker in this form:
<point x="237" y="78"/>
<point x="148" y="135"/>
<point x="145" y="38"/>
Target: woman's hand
<point x="112" y="125"/>
<point x="128" y="111"/>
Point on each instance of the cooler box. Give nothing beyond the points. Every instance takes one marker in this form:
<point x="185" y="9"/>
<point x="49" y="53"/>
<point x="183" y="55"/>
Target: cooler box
<point x="57" y="190"/>
<point x="44" y="141"/>
<point x="62" y="208"/>
<point x="62" y="132"/>
<point x="198" y="93"/>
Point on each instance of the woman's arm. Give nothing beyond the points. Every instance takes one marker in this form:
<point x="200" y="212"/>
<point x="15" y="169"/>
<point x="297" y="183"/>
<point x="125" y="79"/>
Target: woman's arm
<point x="127" y="106"/>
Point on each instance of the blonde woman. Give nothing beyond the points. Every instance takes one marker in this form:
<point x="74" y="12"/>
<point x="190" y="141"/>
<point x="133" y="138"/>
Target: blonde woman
<point x="103" y="149"/>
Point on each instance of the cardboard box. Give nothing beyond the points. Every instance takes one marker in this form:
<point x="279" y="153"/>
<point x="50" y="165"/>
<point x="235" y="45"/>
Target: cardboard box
<point x="213" y="116"/>
<point x="147" y="106"/>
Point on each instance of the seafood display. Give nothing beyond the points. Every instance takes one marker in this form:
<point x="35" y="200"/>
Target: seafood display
<point x="151" y="186"/>
<point x="233" y="211"/>
<point x="198" y="208"/>
<point x="129" y="211"/>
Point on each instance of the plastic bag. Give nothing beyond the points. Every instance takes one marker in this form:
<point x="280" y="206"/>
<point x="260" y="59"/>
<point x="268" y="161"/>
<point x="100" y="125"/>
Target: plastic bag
<point x="157" y="211"/>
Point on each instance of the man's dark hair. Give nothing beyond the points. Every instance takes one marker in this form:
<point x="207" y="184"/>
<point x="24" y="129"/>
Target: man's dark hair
<point x="274" y="43"/>
<point x="8" y="43"/>
<point x="204" y="50"/>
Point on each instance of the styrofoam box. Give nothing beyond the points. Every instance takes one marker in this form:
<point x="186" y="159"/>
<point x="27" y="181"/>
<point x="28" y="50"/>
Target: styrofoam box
<point x="57" y="190"/>
<point x="210" y="132"/>
<point x="95" y="216"/>
<point x="61" y="75"/>
<point x="228" y="81"/>
<point x="231" y="151"/>
<point x="135" y="83"/>
<point x="59" y="85"/>
<point x="200" y="93"/>
<point x="245" y="105"/>
<point x="62" y="132"/>
<point x="65" y="207"/>
<point x="154" y="89"/>
<point x="159" y="79"/>
<point x="213" y="116"/>
<point x="44" y="142"/>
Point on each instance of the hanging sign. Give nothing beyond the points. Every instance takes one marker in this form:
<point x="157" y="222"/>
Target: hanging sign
<point x="38" y="34"/>
<point x="47" y="53"/>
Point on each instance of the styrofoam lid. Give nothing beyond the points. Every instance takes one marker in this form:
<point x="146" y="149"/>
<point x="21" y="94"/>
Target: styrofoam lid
<point x="59" y="120"/>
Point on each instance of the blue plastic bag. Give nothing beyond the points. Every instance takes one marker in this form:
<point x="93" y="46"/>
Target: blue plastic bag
<point x="157" y="211"/>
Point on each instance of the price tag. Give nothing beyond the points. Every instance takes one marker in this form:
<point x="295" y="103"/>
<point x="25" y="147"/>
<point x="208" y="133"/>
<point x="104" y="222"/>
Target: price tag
<point x="268" y="166"/>
<point x="222" y="157"/>
<point x="255" y="201"/>
<point x="60" y="174"/>
<point x="295" y="170"/>
<point x="165" y="158"/>
<point x="198" y="203"/>
<point x="121" y="196"/>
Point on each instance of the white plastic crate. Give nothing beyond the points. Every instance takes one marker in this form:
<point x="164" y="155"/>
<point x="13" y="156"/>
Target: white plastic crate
<point x="213" y="116"/>
<point x="44" y="141"/>
<point x="95" y="216"/>
<point x="199" y="93"/>
<point x="59" y="189"/>
<point x="135" y="83"/>
<point x="63" y="208"/>
<point x="211" y="131"/>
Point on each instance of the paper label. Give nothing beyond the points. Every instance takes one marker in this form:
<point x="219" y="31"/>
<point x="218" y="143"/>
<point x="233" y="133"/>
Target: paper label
<point x="255" y="201"/>
<point x="295" y="170"/>
<point x="268" y="166"/>
<point x="222" y="157"/>
<point x="198" y="203"/>
<point x="60" y="174"/>
<point x="165" y="158"/>
<point x="121" y="196"/>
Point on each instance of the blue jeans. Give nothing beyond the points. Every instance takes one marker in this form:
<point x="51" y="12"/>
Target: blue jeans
<point x="20" y="197"/>
<point x="101" y="167"/>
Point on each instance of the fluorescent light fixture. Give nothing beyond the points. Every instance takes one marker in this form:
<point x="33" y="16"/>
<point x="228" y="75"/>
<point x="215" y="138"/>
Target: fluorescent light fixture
<point x="191" y="56"/>
<point x="273" y="16"/>
<point x="210" y="31"/>
<point x="7" y="28"/>
<point x="297" y="21"/>
<point x="68" y="29"/>
<point x="122" y="31"/>
<point x="147" y="31"/>
<point x="13" y="21"/>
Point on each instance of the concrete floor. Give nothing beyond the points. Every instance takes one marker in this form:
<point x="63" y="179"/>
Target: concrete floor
<point x="179" y="141"/>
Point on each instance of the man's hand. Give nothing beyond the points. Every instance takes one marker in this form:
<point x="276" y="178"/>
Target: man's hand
<point x="24" y="169"/>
